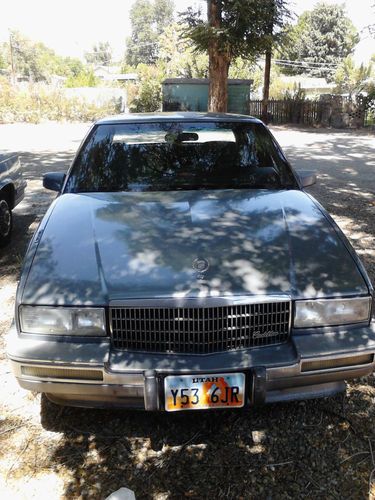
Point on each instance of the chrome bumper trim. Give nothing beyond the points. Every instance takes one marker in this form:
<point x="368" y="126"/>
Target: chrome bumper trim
<point x="273" y="384"/>
<point x="278" y="368"/>
<point x="305" y="392"/>
<point x="206" y="301"/>
<point x="109" y="378"/>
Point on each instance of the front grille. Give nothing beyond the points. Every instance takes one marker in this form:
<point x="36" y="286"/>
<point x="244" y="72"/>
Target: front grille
<point x="199" y="330"/>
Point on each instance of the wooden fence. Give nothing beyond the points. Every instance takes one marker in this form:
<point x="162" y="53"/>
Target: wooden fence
<point x="329" y="111"/>
<point x="289" y="111"/>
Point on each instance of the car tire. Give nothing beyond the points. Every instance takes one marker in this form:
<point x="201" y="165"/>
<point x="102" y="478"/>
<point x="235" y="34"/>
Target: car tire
<point x="6" y="221"/>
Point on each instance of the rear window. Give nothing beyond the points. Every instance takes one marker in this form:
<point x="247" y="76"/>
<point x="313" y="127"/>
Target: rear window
<point x="178" y="156"/>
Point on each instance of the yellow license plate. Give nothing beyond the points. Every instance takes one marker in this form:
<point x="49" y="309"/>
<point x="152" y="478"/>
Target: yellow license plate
<point x="200" y="392"/>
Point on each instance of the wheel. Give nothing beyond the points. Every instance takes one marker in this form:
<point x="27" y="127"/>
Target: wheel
<point x="6" y="222"/>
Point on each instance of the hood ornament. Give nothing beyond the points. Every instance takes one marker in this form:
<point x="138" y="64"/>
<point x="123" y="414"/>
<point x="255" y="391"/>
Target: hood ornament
<point x="201" y="266"/>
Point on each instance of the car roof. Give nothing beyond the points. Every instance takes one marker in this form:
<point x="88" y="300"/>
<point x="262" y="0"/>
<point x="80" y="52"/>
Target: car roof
<point x="177" y="116"/>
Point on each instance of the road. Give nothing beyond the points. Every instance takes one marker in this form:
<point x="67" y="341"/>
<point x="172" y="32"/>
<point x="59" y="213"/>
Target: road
<point x="309" y="449"/>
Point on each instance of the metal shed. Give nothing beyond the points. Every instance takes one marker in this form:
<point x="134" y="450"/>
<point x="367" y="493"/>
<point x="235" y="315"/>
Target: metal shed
<point x="191" y="94"/>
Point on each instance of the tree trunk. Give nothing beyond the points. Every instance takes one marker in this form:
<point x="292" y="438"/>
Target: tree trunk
<point x="218" y="89"/>
<point x="266" y="87"/>
<point x="218" y="65"/>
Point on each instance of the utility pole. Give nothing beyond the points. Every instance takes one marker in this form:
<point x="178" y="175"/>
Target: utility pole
<point x="266" y="86"/>
<point x="12" y="58"/>
<point x="267" y="65"/>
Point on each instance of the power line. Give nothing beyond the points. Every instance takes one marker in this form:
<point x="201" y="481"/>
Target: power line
<point x="305" y="66"/>
<point x="312" y="63"/>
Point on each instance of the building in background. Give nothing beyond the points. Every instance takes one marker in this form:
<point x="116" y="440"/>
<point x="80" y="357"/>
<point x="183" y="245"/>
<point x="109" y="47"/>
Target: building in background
<point x="113" y="74"/>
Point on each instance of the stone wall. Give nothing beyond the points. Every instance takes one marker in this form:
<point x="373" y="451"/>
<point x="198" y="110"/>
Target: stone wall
<point x="341" y="112"/>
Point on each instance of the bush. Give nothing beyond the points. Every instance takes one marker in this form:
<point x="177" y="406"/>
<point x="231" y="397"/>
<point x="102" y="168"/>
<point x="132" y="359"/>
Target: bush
<point x="85" y="78"/>
<point x="148" y="95"/>
<point x="35" y="104"/>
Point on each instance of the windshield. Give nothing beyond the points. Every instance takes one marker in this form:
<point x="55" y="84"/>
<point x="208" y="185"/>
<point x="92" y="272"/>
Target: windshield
<point x="177" y="156"/>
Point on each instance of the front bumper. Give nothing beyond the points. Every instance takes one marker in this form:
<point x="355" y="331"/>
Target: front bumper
<point x="92" y="374"/>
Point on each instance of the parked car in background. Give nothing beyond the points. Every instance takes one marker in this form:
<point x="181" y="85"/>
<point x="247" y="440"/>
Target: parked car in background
<point x="12" y="191"/>
<point x="183" y="266"/>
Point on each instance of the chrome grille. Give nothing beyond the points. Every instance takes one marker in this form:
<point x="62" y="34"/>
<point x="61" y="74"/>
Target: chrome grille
<point x="199" y="330"/>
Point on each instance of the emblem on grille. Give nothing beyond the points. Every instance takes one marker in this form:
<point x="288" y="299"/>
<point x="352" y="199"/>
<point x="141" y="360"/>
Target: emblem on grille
<point x="263" y="335"/>
<point x="201" y="266"/>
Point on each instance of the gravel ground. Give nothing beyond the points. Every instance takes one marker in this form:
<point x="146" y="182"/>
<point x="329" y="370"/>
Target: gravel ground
<point x="314" y="449"/>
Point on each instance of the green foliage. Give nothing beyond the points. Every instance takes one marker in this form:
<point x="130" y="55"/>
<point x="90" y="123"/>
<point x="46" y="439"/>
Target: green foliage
<point x="148" y="21"/>
<point x="323" y="35"/>
<point x="280" y="89"/>
<point x="163" y="14"/>
<point x="31" y="60"/>
<point x="289" y="49"/>
<point x="100" y="55"/>
<point x="3" y="59"/>
<point x="369" y="103"/>
<point x="148" y="93"/>
<point x="85" y="78"/>
<point x="352" y="79"/>
<point x="68" y="66"/>
<point x="245" y="69"/>
<point x="247" y="27"/>
<point x="34" y="61"/>
<point x="370" y="29"/>
<point x="296" y="94"/>
<point x="35" y="104"/>
<point x="177" y="57"/>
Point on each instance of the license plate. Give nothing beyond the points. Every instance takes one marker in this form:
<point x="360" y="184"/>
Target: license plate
<point x="200" y="392"/>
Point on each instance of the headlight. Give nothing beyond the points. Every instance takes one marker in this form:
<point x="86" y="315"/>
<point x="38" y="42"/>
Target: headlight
<point x="331" y="312"/>
<point x="62" y="320"/>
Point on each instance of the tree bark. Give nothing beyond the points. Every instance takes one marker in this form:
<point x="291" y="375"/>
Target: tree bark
<point x="266" y="86"/>
<point x="218" y="65"/>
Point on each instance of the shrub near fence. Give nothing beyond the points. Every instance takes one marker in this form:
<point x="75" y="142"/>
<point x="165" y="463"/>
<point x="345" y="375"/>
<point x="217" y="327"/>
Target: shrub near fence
<point x="280" y="111"/>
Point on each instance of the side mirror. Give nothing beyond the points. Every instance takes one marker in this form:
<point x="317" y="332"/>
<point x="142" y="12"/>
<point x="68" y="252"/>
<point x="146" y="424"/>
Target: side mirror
<point x="53" y="180"/>
<point x="307" y="177"/>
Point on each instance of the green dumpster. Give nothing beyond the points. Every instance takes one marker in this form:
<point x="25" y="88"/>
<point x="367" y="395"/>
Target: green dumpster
<point x="191" y="94"/>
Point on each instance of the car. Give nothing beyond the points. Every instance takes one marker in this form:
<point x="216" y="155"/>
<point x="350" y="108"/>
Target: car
<point x="12" y="192"/>
<point x="183" y="266"/>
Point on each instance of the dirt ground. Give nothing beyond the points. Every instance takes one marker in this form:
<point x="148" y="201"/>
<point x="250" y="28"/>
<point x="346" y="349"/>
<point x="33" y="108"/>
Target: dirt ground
<point x="313" y="449"/>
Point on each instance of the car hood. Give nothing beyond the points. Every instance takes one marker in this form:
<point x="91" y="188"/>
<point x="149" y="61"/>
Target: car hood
<point x="101" y="247"/>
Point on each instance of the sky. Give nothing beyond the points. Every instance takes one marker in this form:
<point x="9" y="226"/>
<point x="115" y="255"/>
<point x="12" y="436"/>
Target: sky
<point x="72" y="27"/>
